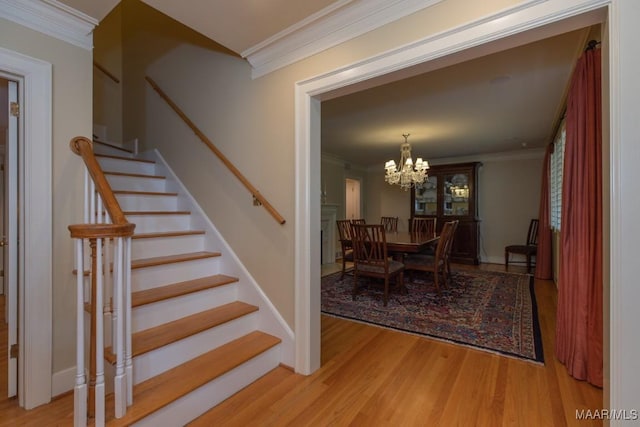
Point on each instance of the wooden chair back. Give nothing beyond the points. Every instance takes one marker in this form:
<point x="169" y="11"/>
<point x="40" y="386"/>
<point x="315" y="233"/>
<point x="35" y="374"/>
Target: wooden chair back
<point x="390" y="223"/>
<point x="358" y="221"/>
<point x="344" y="230"/>
<point x="369" y="245"/>
<point x="423" y="225"/>
<point x="532" y="234"/>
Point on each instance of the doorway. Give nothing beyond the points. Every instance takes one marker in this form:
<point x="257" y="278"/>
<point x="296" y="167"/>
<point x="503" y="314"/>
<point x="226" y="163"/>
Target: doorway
<point x="481" y="38"/>
<point x="34" y="225"/>
<point x="352" y="199"/>
<point x="9" y="113"/>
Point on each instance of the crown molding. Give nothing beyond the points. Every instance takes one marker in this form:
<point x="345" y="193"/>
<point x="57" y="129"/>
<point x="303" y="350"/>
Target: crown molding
<point x="335" y="24"/>
<point x="51" y="18"/>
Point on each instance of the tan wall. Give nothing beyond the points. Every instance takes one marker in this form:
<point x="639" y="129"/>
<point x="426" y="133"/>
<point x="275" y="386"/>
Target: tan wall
<point x="72" y="80"/>
<point x="250" y="120"/>
<point x="508" y="197"/>
<point x="107" y="94"/>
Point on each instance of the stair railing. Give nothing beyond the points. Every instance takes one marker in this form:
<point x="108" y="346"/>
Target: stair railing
<point x="258" y="199"/>
<point x="105" y="286"/>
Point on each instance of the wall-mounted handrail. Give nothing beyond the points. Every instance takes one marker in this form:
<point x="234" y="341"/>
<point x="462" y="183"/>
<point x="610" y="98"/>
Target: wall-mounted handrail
<point x="106" y="72"/>
<point x="256" y="194"/>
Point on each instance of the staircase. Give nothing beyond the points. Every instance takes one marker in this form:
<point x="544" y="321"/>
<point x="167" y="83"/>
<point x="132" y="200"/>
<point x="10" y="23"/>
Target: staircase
<point x="194" y="341"/>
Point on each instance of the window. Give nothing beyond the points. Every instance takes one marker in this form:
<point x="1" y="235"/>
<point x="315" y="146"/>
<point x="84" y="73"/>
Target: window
<point x="557" y="167"/>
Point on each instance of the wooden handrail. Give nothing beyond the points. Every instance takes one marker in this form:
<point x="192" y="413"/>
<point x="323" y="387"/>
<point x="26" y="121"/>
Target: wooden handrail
<point x="256" y="194"/>
<point x="120" y="227"/>
<point x="106" y="72"/>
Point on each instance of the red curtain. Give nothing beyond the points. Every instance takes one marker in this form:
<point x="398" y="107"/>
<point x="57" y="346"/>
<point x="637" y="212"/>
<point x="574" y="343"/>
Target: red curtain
<point x="544" y="255"/>
<point x="579" y="316"/>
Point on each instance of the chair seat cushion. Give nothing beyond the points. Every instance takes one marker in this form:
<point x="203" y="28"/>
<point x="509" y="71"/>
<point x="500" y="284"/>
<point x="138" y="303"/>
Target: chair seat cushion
<point x="394" y="267"/>
<point x="521" y="249"/>
<point x="348" y="255"/>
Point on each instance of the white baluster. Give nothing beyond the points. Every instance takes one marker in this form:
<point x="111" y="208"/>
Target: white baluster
<point x="108" y="309"/>
<point x="86" y="196"/>
<point x="99" y="388"/>
<point x="127" y="318"/>
<point x="80" y="389"/>
<point x="120" y="382"/>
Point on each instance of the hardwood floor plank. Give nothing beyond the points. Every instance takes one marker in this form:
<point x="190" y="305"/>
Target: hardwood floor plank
<point x="373" y="376"/>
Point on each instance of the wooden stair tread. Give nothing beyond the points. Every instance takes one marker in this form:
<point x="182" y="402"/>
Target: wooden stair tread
<point x="136" y="213"/>
<point x="169" y="386"/>
<point x="149" y="296"/>
<point x="167" y="234"/>
<point x="143" y="193"/>
<point x="136" y="175"/>
<point x="169" y="259"/>
<point x="117" y="147"/>
<point x="159" y="336"/>
<point x="131" y="159"/>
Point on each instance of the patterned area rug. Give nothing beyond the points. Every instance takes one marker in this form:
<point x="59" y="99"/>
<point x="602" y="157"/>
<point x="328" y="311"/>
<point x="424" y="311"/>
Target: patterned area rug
<point x="491" y="311"/>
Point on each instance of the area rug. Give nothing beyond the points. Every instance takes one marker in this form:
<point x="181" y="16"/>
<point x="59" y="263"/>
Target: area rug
<point x="491" y="311"/>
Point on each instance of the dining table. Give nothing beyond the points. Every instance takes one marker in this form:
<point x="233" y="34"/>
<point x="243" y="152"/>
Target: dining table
<point x="401" y="242"/>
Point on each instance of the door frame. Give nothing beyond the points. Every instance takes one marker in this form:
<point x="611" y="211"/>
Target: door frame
<point x="530" y="19"/>
<point x="35" y="226"/>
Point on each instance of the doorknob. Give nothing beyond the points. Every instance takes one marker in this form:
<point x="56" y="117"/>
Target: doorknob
<point x="3" y="243"/>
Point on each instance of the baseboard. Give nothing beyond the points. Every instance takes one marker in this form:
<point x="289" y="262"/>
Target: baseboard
<point x="63" y="381"/>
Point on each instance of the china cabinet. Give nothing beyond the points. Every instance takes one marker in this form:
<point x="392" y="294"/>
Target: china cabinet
<point x="451" y="193"/>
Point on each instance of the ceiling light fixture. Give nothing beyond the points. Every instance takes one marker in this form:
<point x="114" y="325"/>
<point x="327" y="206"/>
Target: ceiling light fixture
<point x="405" y="174"/>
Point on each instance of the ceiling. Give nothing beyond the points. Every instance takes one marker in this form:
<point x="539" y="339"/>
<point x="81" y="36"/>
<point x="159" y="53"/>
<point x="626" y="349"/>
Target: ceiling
<point x="506" y="101"/>
<point x="238" y="25"/>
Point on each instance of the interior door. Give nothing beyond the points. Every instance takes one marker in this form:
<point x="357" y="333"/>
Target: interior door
<point x="10" y="239"/>
<point x="352" y="199"/>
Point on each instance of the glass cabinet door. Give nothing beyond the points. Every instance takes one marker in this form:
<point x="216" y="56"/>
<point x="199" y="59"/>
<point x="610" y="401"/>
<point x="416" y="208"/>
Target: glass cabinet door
<point x="426" y="198"/>
<point x="456" y="194"/>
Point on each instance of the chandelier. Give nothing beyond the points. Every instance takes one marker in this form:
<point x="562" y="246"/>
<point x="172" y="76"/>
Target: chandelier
<point x="405" y="174"/>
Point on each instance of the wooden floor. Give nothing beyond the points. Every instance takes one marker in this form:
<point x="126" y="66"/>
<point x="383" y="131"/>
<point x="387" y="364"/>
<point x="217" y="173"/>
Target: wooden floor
<point x="377" y="377"/>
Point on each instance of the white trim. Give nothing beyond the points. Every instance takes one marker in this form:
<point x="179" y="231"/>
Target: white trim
<point x="307" y="116"/>
<point x="63" y="381"/>
<point x="51" y="18"/>
<point x="35" y="256"/>
<point x="335" y="24"/>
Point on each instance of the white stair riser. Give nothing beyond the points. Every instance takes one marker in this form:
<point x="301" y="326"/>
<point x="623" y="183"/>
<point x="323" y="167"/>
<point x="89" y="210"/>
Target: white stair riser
<point x="160" y="275"/>
<point x="163" y="246"/>
<point x="162" y="359"/>
<point x="103" y="149"/>
<point x="150" y="315"/>
<point x="133" y="183"/>
<point x="211" y="394"/>
<point x="127" y="166"/>
<point x="160" y="223"/>
<point x="143" y="202"/>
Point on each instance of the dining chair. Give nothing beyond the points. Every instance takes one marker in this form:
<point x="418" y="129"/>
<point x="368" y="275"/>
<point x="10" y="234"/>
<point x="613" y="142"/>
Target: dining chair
<point x="449" y="248"/>
<point x="358" y="221"/>
<point x="529" y="249"/>
<point x="423" y="225"/>
<point x="370" y="258"/>
<point x="390" y="223"/>
<point x="344" y="234"/>
<point x="435" y="263"/>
